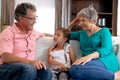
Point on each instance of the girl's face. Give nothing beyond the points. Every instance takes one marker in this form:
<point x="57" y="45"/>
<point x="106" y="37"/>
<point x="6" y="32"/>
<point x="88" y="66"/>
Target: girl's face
<point x="59" y="37"/>
<point x="85" y="23"/>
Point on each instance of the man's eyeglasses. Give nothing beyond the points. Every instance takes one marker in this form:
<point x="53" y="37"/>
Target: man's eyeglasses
<point x="31" y="18"/>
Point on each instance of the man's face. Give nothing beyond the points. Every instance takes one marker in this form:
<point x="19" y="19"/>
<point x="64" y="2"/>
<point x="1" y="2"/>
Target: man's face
<point x="29" y="20"/>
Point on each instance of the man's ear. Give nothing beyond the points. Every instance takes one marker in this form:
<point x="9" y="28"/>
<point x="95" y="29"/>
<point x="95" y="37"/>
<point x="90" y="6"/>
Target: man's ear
<point x="20" y="18"/>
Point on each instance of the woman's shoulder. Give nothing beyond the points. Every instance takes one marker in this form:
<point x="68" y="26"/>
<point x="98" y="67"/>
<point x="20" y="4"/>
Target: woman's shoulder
<point x="105" y="31"/>
<point x="105" y="28"/>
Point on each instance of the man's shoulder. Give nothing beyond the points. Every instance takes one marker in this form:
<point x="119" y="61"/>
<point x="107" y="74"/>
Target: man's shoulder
<point x="7" y="32"/>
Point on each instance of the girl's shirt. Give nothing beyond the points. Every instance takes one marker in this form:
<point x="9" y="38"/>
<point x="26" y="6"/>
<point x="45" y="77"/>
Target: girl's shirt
<point x="61" y="56"/>
<point x="100" y="41"/>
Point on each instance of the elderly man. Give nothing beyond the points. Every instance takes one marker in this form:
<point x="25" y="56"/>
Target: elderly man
<point x="17" y="48"/>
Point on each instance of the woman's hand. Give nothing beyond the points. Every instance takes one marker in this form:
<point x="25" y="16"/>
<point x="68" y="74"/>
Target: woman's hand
<point x="38" y="64"/>
<point x="86" y="59"/>
<point x="83" y="60"/>
<point x="72" y="22"/>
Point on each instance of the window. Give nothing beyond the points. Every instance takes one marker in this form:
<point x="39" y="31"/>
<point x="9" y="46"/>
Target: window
<point x="45" y="22"/>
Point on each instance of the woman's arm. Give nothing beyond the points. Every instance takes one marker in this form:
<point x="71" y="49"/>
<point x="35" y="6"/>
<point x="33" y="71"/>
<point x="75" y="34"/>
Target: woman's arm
<point x="72" y="23"/>
<point x="106" y="43"/>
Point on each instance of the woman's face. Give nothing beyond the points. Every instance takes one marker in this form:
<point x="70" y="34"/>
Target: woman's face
<point x="85" y="23"/>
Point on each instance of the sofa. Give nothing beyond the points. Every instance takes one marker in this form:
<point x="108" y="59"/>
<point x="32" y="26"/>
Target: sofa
<point x="44" y="43"/>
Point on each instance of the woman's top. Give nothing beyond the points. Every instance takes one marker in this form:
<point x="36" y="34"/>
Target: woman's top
<point x="61" y="56"/>
<point x="101" y="42"/>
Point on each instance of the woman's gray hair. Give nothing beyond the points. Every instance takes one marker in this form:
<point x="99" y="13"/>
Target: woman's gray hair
<point x="89" y="12"/>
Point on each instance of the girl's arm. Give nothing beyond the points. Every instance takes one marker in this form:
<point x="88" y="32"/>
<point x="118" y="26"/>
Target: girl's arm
<point x="72" y="56"/>
<point x="50" y="59"/>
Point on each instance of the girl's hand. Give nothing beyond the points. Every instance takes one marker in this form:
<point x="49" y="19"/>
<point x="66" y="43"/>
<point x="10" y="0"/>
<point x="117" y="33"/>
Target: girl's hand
<point x="83" y="60"/>
<point x="62" y="67"/>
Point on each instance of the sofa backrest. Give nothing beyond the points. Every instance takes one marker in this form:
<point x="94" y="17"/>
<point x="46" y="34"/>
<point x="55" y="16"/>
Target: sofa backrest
<point x="45" y="42"/>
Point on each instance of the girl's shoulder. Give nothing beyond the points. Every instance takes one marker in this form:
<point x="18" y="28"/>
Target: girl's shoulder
<point x="67" y="45"/>
<point x="50" y="49"/>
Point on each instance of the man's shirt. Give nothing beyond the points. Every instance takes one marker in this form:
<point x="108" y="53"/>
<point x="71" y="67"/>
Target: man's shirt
<point x="18" y="44"/>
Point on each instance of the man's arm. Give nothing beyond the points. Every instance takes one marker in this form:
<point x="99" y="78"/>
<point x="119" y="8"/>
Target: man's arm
<point x="49" y="35"/>
<point x="10" y="58"/>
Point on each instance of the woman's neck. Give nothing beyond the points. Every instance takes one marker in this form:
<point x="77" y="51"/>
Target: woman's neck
<point x="93" y="30"/>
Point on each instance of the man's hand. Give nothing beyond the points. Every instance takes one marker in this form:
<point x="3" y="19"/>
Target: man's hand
<point x="38" y="64"/>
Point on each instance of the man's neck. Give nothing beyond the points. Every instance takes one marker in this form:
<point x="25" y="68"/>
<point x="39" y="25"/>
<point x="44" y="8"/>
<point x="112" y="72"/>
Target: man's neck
<point x="22" y="28"/>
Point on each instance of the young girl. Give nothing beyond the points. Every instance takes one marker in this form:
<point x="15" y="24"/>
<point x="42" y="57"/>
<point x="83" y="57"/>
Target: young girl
<point x="61" y="55"/>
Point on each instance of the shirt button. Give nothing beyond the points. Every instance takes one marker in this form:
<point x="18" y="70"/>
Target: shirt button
<point x="29" y="50"/>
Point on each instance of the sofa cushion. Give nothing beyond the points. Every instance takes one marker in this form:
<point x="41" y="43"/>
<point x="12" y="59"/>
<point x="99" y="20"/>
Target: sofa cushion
<point x="42" y="46"/>
<point x="76" y="48"/>
<point x="116" y="46"/>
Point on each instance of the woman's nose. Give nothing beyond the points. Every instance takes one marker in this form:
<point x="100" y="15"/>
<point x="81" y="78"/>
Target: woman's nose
<point x="80" y="22"/>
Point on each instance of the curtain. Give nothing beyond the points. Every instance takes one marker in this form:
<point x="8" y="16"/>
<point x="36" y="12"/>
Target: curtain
<point x="58" y="13"/>
<point x="7" y="12"/>
<point x="66" y="10"/>
<point x="62" y="13"/>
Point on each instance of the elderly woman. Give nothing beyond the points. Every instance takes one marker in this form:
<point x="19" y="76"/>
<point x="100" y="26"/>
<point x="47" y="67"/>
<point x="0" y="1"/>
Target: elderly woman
<point x="99" y="61"/>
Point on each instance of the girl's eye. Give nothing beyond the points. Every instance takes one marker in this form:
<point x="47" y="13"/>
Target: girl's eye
<point x="58" y="34"/>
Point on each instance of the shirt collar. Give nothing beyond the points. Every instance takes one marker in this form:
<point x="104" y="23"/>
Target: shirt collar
<point x="16" y="29"/>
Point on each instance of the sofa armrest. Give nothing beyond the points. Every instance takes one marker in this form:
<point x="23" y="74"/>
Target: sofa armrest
<point x="116" y="46"/>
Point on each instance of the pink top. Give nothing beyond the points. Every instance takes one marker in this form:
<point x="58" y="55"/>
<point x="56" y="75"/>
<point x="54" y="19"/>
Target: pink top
<point x="22" y="45"/>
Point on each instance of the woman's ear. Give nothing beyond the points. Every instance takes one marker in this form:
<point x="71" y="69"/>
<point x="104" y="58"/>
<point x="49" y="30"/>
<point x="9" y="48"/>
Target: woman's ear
<point x="93" y="21"/>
